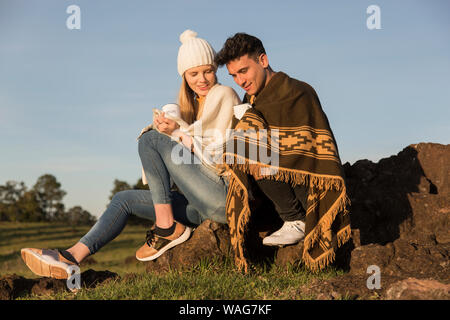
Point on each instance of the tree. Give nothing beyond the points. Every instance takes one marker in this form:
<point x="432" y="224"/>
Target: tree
<point x="140" y="186"/>
<point x="77" y="216"/>
<point x="49" y="195"/>
<point x="119" y="185"/>
<point x="12" y="191"/>
<point x="18" y="204"/>
<point x="29" y="208"/>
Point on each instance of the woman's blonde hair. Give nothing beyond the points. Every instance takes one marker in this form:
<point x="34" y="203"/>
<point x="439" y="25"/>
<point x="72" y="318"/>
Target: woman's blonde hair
<point x="186" y="101"/>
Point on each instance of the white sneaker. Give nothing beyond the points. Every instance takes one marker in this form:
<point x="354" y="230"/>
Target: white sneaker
<point x="290" y="233"/>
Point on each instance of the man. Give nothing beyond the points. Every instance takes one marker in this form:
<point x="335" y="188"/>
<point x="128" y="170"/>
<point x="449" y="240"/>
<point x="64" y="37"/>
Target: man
<point x="307" y="186"/>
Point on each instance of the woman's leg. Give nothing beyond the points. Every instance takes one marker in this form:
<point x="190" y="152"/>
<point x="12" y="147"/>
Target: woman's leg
<point x="203" y="188"/>
<point x="158" y="181"/>
<point x="55" y="263"/>
<point x="114" y="219"/>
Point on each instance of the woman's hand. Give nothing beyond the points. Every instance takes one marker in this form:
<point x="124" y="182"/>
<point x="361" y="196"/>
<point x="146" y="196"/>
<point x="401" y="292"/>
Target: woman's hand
<point x="165" y="125"/>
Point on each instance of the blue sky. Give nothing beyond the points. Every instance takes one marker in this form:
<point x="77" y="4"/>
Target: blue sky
<point x="72" y="102"/>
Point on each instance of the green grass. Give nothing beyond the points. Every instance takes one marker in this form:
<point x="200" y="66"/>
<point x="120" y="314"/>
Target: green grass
<point x="15" y="236"/>
<point x="210" y="279"/>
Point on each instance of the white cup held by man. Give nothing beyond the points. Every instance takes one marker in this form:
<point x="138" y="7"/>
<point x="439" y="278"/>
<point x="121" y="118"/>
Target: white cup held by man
<point x="240" y="109"/>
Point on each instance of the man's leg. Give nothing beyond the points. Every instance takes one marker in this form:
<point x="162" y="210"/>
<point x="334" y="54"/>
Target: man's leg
<point x="283" y="196"/>
<point x="289" y="207"/>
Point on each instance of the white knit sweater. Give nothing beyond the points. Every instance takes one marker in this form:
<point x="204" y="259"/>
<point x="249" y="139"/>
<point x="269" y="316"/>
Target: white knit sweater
<point x="213" y="128"/>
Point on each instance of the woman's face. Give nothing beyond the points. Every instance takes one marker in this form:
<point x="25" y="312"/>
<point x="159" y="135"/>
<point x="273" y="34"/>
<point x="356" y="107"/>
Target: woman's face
<point x="201" y="79"/>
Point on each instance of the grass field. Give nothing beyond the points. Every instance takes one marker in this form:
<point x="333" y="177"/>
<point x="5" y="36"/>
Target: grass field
<point x="208" y="280"/>
<point x="14" y="236"/>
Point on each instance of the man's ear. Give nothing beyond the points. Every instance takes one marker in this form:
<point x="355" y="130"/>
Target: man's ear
<point x="264" y="60"/>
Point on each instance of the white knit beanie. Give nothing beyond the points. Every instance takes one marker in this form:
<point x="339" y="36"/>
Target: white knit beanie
<point x="194" y="52"/>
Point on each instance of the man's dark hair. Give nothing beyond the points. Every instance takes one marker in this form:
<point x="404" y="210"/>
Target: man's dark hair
<point x="237" y="46"/>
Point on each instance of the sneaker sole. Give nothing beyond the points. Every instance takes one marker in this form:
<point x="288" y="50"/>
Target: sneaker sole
<point x="184" y="236"/>
<point x="277" y="244"/>
<point x="42" y="266"/>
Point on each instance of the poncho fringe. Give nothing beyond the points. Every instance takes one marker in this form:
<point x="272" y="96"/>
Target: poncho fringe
<point x="293" y="177"/>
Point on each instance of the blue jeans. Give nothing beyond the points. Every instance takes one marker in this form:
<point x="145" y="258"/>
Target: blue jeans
<point x="203" y="192"/>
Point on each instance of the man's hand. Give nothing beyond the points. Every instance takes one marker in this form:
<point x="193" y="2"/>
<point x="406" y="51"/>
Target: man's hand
<point x="165" y="125"/>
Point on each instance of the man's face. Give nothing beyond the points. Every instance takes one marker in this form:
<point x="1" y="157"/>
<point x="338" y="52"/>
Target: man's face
<point x="249" y="74"/>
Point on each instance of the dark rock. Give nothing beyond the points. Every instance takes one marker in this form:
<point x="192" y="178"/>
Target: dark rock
<point x="347" y="286"/>
<point x="371" y="254"/>
<point x="91" y="278"/>
<point x="351" y="287"/>
<point x="289" y="255"/>
<point x="430" y="218"/>
<point x="379" y="203"/>
<point x="418" y="289"/>
<point x="400" y="214"/>
<point x="14" y="286"/>
<point x="209" y="240"/>
<point x="435" y="160"/>
<point x="405" y="196"/>
<point x="48" y="286"/>
<point x="6" y="292"/>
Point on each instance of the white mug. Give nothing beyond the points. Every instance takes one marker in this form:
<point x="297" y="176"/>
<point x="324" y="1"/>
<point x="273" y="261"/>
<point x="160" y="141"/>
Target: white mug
<point x="240" y="109"/>
<point x="172" y="110"/>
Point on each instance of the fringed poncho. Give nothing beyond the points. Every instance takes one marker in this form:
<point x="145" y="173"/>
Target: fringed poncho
<point x="286" y="137"/>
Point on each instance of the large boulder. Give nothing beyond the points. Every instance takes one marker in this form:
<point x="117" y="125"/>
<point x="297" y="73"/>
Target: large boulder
<point x="403" y="258"/>
<point x="400" y="223"/>
<point x="403" y="196"/>
<point x="400" y="209"/>
<point x="209" y="240"/>
<point x="400" y="218"/>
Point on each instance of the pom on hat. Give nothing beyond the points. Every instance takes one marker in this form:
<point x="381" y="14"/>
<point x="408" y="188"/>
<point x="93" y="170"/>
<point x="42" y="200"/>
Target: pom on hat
<point x="187" y="35"/>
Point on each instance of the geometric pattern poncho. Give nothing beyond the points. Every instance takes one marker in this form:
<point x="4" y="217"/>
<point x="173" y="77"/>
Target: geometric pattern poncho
<point x="286" y="137"/>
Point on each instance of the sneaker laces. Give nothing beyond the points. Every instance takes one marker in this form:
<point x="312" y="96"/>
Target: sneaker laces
<point x="296" y="226"/>
<point x="150" y="237"/>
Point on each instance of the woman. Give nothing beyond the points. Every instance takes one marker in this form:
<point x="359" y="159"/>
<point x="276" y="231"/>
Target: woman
<point x="206" y="110"/>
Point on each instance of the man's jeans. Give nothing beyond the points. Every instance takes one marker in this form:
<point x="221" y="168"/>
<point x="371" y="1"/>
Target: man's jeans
<point x="289" y="201"/>
<point x="203" y="192"/>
